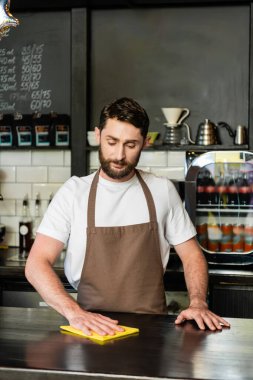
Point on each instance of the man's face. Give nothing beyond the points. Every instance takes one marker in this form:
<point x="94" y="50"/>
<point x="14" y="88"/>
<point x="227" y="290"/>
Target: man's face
<point x="120" y="148"/>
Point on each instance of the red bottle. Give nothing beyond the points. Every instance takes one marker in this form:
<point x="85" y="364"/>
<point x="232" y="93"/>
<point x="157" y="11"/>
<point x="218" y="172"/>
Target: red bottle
<point x="210" y="191"/>
<point x="222" y="192"/>
<point x="244" y="191"/>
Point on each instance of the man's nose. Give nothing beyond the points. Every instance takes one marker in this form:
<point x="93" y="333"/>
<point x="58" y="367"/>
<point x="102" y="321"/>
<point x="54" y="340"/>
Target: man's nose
<point x="120" y="154"/>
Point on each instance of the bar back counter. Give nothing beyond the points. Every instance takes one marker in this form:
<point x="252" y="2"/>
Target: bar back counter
<point x="34" y="348"/>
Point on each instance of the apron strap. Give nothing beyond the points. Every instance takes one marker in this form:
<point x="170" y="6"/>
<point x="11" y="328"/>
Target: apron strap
<point x="148" y="196"/>
<point x="92" y="199"/>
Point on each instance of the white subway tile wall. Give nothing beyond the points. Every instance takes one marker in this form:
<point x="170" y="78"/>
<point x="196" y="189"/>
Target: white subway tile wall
<point x="170" y="164"/>
<point x="39" y="172"/>
<point x="172" y="172"/>
<point x="27" y="174"/>
<point x="58" y="174"/>
<point x="31" y="173"/>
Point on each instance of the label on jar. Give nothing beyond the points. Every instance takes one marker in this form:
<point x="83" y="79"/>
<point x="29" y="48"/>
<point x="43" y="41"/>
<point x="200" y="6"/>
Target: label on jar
<point x="24" y="133"/>
<point x="61" y="135"/>
<point x="42" y="135"/>
<point x="5" y="135"/>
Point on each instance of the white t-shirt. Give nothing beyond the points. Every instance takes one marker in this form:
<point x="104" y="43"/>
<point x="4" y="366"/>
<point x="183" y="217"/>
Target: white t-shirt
<point x="117" y="204"/>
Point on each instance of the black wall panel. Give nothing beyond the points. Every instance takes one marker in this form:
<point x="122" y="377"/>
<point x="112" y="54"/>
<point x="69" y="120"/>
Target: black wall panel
<point x="194" y="57"/>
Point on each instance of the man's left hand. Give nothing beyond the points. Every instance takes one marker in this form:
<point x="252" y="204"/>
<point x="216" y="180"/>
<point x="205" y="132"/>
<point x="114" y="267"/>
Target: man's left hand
<point x="203" y="317"/>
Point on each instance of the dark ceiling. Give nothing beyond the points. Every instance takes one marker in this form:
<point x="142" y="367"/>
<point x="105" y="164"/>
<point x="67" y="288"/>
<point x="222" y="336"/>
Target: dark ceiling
<point x="93" y="4"/>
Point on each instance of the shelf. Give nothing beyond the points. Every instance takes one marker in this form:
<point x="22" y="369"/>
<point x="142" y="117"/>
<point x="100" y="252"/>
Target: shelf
<point x="194" y="148"/>
<point x="197" y="148"/>
<point x="14" y="148"/>
<point x="226" y="210"/>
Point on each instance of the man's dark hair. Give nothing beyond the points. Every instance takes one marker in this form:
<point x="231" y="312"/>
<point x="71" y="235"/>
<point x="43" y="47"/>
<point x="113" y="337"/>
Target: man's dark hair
<point x="125" y="109"/>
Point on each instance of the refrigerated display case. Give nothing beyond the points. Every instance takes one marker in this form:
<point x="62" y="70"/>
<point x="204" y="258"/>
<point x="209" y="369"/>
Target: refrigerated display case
<point x="219" y="200"/>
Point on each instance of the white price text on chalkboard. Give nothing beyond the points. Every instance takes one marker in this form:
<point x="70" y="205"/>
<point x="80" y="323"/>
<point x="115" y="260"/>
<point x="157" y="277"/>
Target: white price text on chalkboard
<point x="8" y="80"/>
<point x="24" y="85"/>
<point x="35" y="64"/>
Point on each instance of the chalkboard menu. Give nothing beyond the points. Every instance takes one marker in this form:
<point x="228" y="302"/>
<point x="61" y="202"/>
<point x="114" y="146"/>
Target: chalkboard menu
<point x="35" y="63"/>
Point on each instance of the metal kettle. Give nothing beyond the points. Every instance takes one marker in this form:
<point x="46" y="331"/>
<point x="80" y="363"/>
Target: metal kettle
<point x="240" y="135"/>
<point x="207" y="134"/>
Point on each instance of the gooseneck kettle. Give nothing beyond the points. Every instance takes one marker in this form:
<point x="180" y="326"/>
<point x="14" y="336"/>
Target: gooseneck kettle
<point x="208" y="132"/>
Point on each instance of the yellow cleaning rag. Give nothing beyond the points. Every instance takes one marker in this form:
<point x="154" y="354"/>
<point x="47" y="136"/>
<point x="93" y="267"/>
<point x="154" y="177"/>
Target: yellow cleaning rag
<point x="95" y="336"/>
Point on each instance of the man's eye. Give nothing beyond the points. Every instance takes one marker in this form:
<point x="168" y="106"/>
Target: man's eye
<point x="131" y="146"/>
<point x="111" y="142"/>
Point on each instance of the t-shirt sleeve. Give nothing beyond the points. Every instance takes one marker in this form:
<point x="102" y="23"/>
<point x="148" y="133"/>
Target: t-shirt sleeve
<point x="57" y="218"/>
<point x="179" y="227"/>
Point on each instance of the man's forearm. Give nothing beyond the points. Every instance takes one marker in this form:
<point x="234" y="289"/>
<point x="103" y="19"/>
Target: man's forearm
<point x="195" y="270"/>
<point x="40" y="273"/>
<point x="196" y="278"/>
<point x="51" y="289"/>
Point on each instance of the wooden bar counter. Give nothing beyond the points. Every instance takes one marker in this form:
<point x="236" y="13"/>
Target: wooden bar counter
<point x="32" y="347"/>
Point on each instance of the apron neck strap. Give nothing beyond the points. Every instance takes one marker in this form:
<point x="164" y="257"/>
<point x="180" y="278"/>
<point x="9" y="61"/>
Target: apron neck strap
<point x="93" y="193"/>
<point x="148" y="196"/>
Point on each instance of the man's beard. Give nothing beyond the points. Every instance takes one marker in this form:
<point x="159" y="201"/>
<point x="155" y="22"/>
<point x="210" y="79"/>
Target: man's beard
<point x="127" y="167"/>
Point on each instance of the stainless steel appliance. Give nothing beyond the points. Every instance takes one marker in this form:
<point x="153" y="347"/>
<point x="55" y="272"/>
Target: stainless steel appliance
<point x="177" y="132"/>
<point x="208" y="133"/>
<point x="177" y="135"/>
<point x="240" y="135"/>
<point x="219" y="200"/>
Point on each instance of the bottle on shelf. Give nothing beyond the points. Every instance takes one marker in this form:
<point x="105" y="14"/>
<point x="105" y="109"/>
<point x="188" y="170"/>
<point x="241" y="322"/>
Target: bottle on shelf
<point x="6" y="132"/>
<point x="222" y="194"/>
<point x="210" y="191"/>
<point x="37" y="215"/>
<point x="201" y="198"/>
<point x="25" y="229"/>
<point x="22" y="130"/>
<point x="250" y="182"/>
<point x="233" y="196"/>
<point x="244" y="190"/>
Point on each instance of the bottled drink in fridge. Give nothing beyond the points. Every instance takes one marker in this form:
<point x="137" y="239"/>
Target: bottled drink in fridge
<point x="201" y="198"/>
<point x="210" y="191"/>
<point x="244" y="190"/>
<point x="250" y="182"/>
<point x="222" y="191"/>
<point x="233" y="196"/>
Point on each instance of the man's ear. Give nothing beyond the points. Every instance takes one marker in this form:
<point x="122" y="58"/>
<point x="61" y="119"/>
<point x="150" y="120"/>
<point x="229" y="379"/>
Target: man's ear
<point x="146" y="142"/>
<point x="97" y="134"/>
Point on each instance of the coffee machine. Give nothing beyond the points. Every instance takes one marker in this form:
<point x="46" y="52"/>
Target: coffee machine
<point x="177" y="132"/>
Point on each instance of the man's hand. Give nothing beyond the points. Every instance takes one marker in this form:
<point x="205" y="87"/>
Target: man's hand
<point x="200" y="313"/>
<point x="196" y="277"/>
<point x="44" y="279"/>
<point x="88" y="322"/>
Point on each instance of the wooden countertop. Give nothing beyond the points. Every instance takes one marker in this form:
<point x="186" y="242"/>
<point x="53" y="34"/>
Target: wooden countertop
<point x="32" y="347"/>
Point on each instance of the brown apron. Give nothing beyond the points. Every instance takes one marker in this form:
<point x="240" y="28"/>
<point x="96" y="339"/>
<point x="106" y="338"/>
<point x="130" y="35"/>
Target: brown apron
<point x="122" y="270"/>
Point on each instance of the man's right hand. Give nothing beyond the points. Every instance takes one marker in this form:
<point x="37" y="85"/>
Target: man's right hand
<point x="88" y="322"/>
<point x="44" y="279"/>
